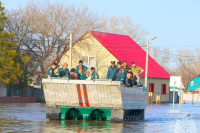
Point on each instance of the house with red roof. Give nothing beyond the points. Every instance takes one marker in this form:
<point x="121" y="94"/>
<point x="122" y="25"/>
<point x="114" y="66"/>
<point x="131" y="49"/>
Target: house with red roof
<point x="98" y="49"/>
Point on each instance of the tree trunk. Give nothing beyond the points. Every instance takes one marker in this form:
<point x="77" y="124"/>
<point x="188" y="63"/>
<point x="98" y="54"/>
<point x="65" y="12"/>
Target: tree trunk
<point x="42" y="67"/>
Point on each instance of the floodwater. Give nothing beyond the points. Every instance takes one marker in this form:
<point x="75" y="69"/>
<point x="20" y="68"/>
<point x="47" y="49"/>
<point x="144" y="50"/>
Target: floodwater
<point x="16" y="118"/>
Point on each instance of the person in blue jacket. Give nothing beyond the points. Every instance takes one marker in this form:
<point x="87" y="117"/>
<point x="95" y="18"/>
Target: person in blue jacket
<point x="81" y="75"/>
<point x="95" y="75"/>
<point x="51" y="72"/>
<point x="64" y="71"/>
<point x="121" y="73"/>
<point x="81" y="66"/>
<point x="112" y="71"/>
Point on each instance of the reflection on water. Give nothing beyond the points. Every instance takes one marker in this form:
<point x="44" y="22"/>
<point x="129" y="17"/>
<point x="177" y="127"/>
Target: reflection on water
<point x="158" y="118"/>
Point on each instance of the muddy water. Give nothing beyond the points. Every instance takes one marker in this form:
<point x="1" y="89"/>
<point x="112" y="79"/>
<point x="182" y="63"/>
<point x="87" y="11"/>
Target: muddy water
<point x="158" y="118"/>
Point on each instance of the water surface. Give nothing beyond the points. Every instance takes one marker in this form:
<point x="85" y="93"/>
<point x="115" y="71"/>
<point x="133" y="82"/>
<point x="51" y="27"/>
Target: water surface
<point x="158" y="118"/>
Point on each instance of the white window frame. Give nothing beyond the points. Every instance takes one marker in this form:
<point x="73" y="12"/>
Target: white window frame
<point x="88" y="58"/>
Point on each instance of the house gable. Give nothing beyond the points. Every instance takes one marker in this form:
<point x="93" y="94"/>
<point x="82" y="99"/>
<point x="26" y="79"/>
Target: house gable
<point x="89" y="46"/>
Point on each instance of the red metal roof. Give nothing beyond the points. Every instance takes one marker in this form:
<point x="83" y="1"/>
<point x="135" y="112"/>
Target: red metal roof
<point x="125" y="49"/>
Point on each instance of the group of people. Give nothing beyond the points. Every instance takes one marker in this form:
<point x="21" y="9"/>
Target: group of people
<point x="122" y="72"/>
<point x="116" y="72"/>
<point x="80" y="72"/>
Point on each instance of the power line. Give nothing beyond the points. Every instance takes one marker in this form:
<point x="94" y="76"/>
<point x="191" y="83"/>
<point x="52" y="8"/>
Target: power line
<point x="128" y="49"/>
<point x="178" y="46"/>
<point x="170" y="54"/>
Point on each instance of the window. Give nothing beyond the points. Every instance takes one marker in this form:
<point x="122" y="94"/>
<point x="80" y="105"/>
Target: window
<point x="88" y="61"/>
<point x="151" y="87"/>
<point x="164" y="89"/>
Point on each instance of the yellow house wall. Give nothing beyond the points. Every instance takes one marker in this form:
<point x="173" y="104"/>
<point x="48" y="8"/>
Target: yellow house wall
<point x="89" y="46"/>
<point x="157" y="88"/>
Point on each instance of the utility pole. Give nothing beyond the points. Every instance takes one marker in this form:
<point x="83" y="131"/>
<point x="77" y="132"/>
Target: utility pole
<point x="180" y="96"/>
<point x="147" y="63"/>
<point x="70" y="53"/>
<point x="174" y="94"/>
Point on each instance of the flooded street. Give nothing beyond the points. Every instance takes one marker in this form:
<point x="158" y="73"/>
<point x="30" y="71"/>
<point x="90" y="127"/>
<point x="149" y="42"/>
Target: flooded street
<point x="158" y="118"/>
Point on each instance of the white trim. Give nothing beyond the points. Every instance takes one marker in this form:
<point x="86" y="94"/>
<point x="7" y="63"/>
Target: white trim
<point x="100" y="82"/>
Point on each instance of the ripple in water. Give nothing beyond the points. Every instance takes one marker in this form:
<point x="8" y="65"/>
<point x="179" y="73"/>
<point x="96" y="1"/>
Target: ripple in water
<point x="158" y="118"/>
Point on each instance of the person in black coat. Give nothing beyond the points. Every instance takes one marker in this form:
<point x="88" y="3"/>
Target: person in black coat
<point x="127" y="81"/>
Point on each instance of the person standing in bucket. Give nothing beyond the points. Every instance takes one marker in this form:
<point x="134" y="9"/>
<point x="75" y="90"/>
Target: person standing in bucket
<point x="81" y="66"/>
<point x="125" y="66"/>
<point x="121" y="73"/>
<point x="64" y="71"/>
<point x="136" y="70"/>
<point x="51" y="70"/>
<point x="95" y="75"/>
<point x="112" y="71"/>
<point x="127" y="81"/>
<point x="73" y="74"/>
<point x="81" y="75"/>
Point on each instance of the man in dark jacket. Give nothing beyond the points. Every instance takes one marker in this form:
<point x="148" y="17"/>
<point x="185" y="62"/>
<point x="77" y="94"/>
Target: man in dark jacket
<point x="125" y="66"/>
<point x="95" y="75"/>
<point x="112" y="71"/>
<point x="81" y="75"/>
<point x="51" y="72"/>
<point x="121" y="73"/>
<point x="81" y="66"/>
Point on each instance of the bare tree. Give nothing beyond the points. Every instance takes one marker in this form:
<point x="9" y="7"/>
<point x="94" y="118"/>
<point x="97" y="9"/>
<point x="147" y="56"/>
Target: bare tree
<point x="188" y="63"/>
<point x="43" y="29"/>
<point x="18" y="23"/>
<point x="125" y="26"/>
<point x="162" y="56"/>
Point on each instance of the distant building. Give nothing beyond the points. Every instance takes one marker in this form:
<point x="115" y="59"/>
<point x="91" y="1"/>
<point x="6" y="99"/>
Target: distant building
<point x="194" y="84"/>
<point x="97" y="49"/>
<point x="192" y="94"/>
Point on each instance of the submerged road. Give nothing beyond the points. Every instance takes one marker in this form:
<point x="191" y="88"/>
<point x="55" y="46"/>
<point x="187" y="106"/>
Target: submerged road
<point x="158" y="118"/>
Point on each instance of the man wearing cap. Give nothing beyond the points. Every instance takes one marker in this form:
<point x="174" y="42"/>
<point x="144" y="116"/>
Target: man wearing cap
<point x="95" y="75"/>
<point x="112" y="71"/>
<point x="64" y="71"/>
<point x="83" y="67"/>
<point x="51" y="72"/>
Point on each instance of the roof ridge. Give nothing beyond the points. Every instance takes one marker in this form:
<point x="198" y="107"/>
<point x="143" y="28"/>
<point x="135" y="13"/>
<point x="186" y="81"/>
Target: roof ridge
<point x="108" y="33"/>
